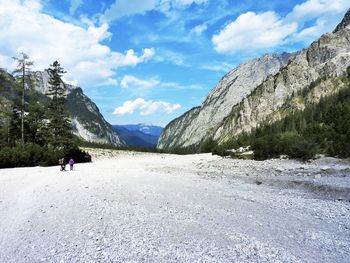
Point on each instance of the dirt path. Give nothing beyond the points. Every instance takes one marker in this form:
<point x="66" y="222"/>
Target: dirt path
<point x="165" y="208"/>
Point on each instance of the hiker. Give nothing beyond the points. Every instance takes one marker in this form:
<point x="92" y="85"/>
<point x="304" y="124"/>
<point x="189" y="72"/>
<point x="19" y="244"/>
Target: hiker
<point x="62" y="163"/>
<point x="71" y="163"/>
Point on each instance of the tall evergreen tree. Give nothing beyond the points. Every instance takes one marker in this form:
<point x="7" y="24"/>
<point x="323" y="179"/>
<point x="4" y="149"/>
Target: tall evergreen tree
<point x="5" y="118"/>
<point x="23" y="74"/>
<point x="14" y="127"/>
<point x="59" y="126"/>
<point x="37" y="122"/>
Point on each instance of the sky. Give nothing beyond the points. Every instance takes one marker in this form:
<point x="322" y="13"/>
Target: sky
<point x="149" y="61"/>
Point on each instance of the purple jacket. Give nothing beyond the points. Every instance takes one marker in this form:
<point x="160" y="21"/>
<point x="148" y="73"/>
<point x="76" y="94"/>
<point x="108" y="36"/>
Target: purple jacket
<point x="71" y="161"/>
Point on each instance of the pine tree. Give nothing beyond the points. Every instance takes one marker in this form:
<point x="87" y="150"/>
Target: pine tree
<point x="23" y="74"/>
<point x="37" y="122"/>
<point x="14" y="126"/>
<point x="5" y="118"/>
<point x="58" y="127"/>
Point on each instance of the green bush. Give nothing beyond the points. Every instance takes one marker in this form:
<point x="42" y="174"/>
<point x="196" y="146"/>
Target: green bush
<point x="301" y="149"/>
<point x="78" y="155"/>
<point x="207" y="146"/>
<point x="33" y="155"/>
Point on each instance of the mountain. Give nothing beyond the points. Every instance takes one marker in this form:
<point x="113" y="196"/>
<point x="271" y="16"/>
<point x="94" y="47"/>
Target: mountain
<point x="139" y="135"/>
<point x="263" y="91"/>
<point x="87" y="121"/>
<point x="200" y="122"/>
<point x="146" y="128"/>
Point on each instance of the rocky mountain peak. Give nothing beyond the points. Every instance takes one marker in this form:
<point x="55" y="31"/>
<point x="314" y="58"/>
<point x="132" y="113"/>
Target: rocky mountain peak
<point x="264" y="90"/>
<point x="197" y="123"/>
<point x="86" y="119"/>
<point x="344" y="23"/>
<point x="42" y="82"/>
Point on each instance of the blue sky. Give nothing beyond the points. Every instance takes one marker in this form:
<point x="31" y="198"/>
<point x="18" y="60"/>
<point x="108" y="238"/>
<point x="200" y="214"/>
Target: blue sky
<point x="152" y="60"/>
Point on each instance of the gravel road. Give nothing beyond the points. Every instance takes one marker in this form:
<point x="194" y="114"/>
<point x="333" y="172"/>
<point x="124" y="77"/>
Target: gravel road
<point x="138" y="207"/>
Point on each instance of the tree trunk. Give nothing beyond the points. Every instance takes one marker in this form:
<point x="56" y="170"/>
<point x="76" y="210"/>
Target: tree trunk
<point x="22" y="111"/>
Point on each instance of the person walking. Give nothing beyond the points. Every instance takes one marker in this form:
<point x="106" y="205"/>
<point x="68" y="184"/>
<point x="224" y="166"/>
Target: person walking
<point x="62" y="162"/>
<point x="71" y="163"/>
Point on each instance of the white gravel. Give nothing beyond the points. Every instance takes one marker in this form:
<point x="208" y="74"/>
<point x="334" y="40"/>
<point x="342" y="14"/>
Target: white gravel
<point x="138" y="207"/>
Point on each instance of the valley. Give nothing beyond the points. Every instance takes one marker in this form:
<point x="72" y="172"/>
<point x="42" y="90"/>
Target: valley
<point x="129" y="206"/>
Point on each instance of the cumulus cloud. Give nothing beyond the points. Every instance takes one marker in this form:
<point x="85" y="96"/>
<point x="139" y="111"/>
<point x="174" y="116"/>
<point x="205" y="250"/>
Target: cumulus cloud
<point x="25" y="28"/>
<point x="325" y="13"/>
<point x="312" y="9"/>
<point x="146" y="107"/>
<point x="122" y="8"/>
<point x="251" y="31"/>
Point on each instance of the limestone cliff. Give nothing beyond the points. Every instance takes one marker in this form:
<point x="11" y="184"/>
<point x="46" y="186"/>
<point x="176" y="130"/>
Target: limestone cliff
<point x="197" y="124"/>
<point x="87" y="121"/>
<point x="264" y="90"/>
<point x="325" y="59"/>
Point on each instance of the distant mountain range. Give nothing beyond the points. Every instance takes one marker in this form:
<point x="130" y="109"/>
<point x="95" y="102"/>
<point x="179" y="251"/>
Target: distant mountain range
<point x="139" y="135"/>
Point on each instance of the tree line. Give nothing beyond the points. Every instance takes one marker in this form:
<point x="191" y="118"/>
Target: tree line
<point x="35" y="128"/>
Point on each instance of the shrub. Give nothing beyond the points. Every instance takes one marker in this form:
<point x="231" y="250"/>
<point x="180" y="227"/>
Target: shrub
<point x="78" y="155"/>
<point x="33" y="155"/>
<point x="207" y="146"/>
<point x="302" y="149"/>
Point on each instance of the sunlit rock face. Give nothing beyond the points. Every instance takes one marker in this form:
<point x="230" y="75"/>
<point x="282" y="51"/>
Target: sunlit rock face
<point x="261" y="90"/>
<point x="86" y="119"/>
<point x="201" y="122"/>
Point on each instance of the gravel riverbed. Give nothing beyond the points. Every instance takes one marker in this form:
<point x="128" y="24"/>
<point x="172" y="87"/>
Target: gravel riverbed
<point x="144" y="207"/>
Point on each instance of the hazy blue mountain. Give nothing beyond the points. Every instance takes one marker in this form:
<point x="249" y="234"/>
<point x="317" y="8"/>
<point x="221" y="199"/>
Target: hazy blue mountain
<point x="144" y="128"/>
<point x="139" y="135"/>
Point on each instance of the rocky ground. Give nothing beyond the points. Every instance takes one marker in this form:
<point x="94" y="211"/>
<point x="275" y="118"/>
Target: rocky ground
<point x="141" y="207"/>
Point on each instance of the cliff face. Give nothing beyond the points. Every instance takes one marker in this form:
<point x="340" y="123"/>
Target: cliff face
<point x="199" y="123"/>
<point x="87" y="121"/>
<point x="175" y="130"/>
<point x="260" y="90"/>
<point x="324" y="59"/>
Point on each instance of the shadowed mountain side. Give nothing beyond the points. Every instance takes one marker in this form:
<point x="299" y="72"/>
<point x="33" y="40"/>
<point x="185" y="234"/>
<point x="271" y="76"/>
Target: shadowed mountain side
<point x="133" y="135"/>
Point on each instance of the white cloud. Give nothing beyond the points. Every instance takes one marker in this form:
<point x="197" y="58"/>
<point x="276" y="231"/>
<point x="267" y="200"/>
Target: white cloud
<point x="78" y="49"/>
<point x="251" y="31"/>
<point x="139" y="87"/>
<point x="312" y="9"/>
<point x="74" y="5"/>
<point x="199" y="29"/>
<point x="6" y="62"/>
<point x="326" y="13"/>
<point x="129" y="81"/>
<point x="310" y="33"/>
<point x="122" y="8"/>
<point x="146" y="107"/>
<point x="181" y="3"/>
